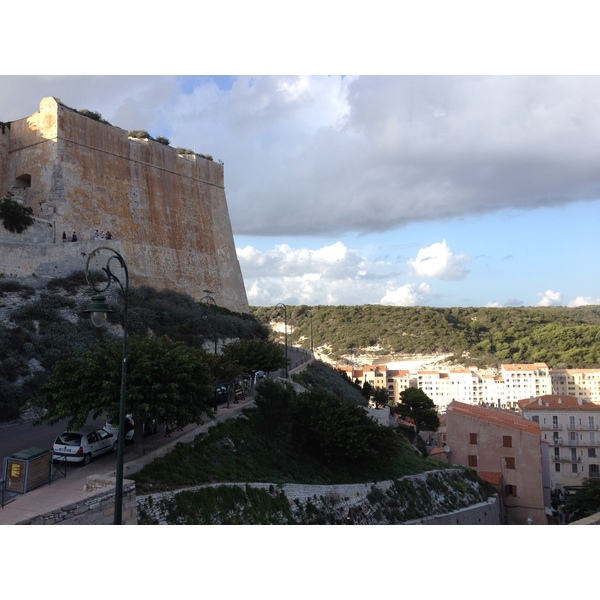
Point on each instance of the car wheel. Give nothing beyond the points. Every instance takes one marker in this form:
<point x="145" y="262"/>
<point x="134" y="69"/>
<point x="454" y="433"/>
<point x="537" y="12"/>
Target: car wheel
<point x="86" y="460"/>
<point x="115" y="446"/>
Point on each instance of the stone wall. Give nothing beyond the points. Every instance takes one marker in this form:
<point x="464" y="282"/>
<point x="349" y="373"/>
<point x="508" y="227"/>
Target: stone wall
<point x="343" y="499"/>
<point x="168" y="212"/>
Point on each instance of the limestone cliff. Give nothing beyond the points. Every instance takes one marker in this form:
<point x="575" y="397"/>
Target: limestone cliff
<point x="168" y="213"/>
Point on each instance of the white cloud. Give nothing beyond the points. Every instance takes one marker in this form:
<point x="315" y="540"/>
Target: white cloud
<point x="583" y="301"/>
<point x="331" y="274"/>
<point x="407" y="295"/>
<point x="550" y="298"/>
<point x="439" y="262"/>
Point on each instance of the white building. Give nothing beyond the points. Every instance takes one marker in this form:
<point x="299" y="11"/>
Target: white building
<point x="570" y="425"/>
<point x="525" y="381"/>
<point x="584" y="383"/>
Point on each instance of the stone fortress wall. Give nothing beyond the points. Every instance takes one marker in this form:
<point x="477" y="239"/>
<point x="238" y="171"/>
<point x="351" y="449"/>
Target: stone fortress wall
<point x="167" y="212"/>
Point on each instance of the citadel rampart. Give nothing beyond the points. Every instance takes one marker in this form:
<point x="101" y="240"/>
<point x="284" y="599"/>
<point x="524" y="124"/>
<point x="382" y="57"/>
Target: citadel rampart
<point x="167" y="212"/>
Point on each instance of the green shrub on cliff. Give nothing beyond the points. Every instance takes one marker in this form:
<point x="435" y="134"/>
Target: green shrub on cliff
<point x="140" y="134"/>
<point x="15" y="217"/>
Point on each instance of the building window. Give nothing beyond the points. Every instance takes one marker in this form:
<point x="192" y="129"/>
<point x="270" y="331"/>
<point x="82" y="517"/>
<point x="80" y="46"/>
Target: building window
<point x="509" y="462"/>
<point x="574" y="468"/>
<point x="472" y="460"/>
<point x="594" y="471"/>
<point x="510" y="490"/>
<point x="557" y="467"/>
<point x="535" y="418"/>
<point x="591" y="452"/>
<point x="472" y="438"/>
<point x="572" y="422"/>
<point x="507" y="441"/>
<point x="591" y="422"/>
<point x="555" y="421"/>
<point x="556" y="453"/>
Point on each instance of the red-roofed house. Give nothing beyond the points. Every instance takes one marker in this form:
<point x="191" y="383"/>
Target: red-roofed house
<point x="506" y="450"/>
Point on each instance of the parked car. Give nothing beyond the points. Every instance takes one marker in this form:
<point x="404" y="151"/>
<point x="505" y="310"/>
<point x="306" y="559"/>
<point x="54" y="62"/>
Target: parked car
<point x="113" y="427"/>
<point x="149" y="426"/>
<point x="81" y="446"/>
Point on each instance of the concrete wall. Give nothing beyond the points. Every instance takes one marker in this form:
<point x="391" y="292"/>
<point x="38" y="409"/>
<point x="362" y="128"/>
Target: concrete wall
<point x="95" y="506"/>
<point x="169" y="212"/>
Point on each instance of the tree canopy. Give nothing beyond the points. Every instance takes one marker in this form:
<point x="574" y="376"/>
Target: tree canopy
<point x="255" y="355"/>
<point x="585" y="501"/>
<point x="419" y="408"/>
<point x="166" y="380"/>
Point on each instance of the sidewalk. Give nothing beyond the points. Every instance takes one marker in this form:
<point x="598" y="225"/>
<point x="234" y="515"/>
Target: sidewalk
<point x="68" y="489"/>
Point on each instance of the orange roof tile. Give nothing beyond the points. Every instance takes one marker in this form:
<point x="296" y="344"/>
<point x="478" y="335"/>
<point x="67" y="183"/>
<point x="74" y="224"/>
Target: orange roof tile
<point x="525" y="367"/>
<point x="437" y="451"/>
<point x="556" y="402"/>
<point x="492" y="415"/>
<point x="490" y="476"/>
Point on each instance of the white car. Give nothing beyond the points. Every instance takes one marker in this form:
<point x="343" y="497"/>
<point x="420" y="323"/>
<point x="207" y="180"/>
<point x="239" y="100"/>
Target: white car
<point x="81" y="446"/>
<point x="113" y="427"/>
<point x="148" y="427"/>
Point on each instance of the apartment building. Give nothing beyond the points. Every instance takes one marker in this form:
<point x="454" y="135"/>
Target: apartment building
<point x="469" y="385"/>
<point x="525" y="380"/>
<point x="379" y="376"/>
<point x="506" y="449"/>
<point x="443" y="387"/>
<point x="583" y="383"/>
<point x="570" y="426"/>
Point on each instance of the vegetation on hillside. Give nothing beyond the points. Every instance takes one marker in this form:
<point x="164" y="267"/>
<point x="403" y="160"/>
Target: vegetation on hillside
<point x="312" y="438"/>
<point x="485" y="337"/>
<point x="41" y="326"/>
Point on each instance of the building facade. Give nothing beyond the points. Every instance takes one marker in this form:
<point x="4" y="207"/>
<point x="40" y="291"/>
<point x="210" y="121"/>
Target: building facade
<point x="569" y="425"/>
<point x="504" y="448"/>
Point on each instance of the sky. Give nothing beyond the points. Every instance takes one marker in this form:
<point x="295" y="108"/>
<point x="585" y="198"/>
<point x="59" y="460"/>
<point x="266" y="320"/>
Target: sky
<point x="409" y="189"/>
<point x="421" y="154"/>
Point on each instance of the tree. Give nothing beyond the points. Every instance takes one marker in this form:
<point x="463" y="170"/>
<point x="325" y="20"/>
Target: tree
<point x="419" y="408"/>
<point x="255" y="355"/>
<point x="367" y="390"/>
<point x="166" y="380"/>
<point x="15" y="217"/>
<point x="335" y="430"/>
<point x="585" y="501"/>
<point x="380" y="397"/>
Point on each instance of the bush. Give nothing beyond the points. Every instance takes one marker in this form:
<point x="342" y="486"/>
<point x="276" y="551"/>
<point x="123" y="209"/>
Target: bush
<point x="140" y="134"/>
<point x="161" y="139"/>
<point x="15" y="216"/>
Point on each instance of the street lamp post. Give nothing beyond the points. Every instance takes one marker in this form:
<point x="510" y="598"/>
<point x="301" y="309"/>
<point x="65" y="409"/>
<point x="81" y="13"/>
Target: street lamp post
<point x="311" y="330"/>
<point x="285" y="335"/>
<point x="208" y="298"/>
<point x="98" y="309"/>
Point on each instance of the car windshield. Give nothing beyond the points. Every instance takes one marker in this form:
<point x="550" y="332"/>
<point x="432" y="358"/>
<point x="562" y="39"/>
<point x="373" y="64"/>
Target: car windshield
<point x="69" y="439"/>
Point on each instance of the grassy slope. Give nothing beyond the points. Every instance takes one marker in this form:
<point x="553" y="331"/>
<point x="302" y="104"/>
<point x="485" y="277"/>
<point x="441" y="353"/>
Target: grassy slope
<point x="238" y="451"/>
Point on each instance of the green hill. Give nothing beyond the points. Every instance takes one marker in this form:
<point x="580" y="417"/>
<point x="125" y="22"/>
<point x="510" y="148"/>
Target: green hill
<point x="485" y="337"/>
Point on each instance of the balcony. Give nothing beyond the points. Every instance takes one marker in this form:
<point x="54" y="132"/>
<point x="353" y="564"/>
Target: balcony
<point x="550" y="427"/>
